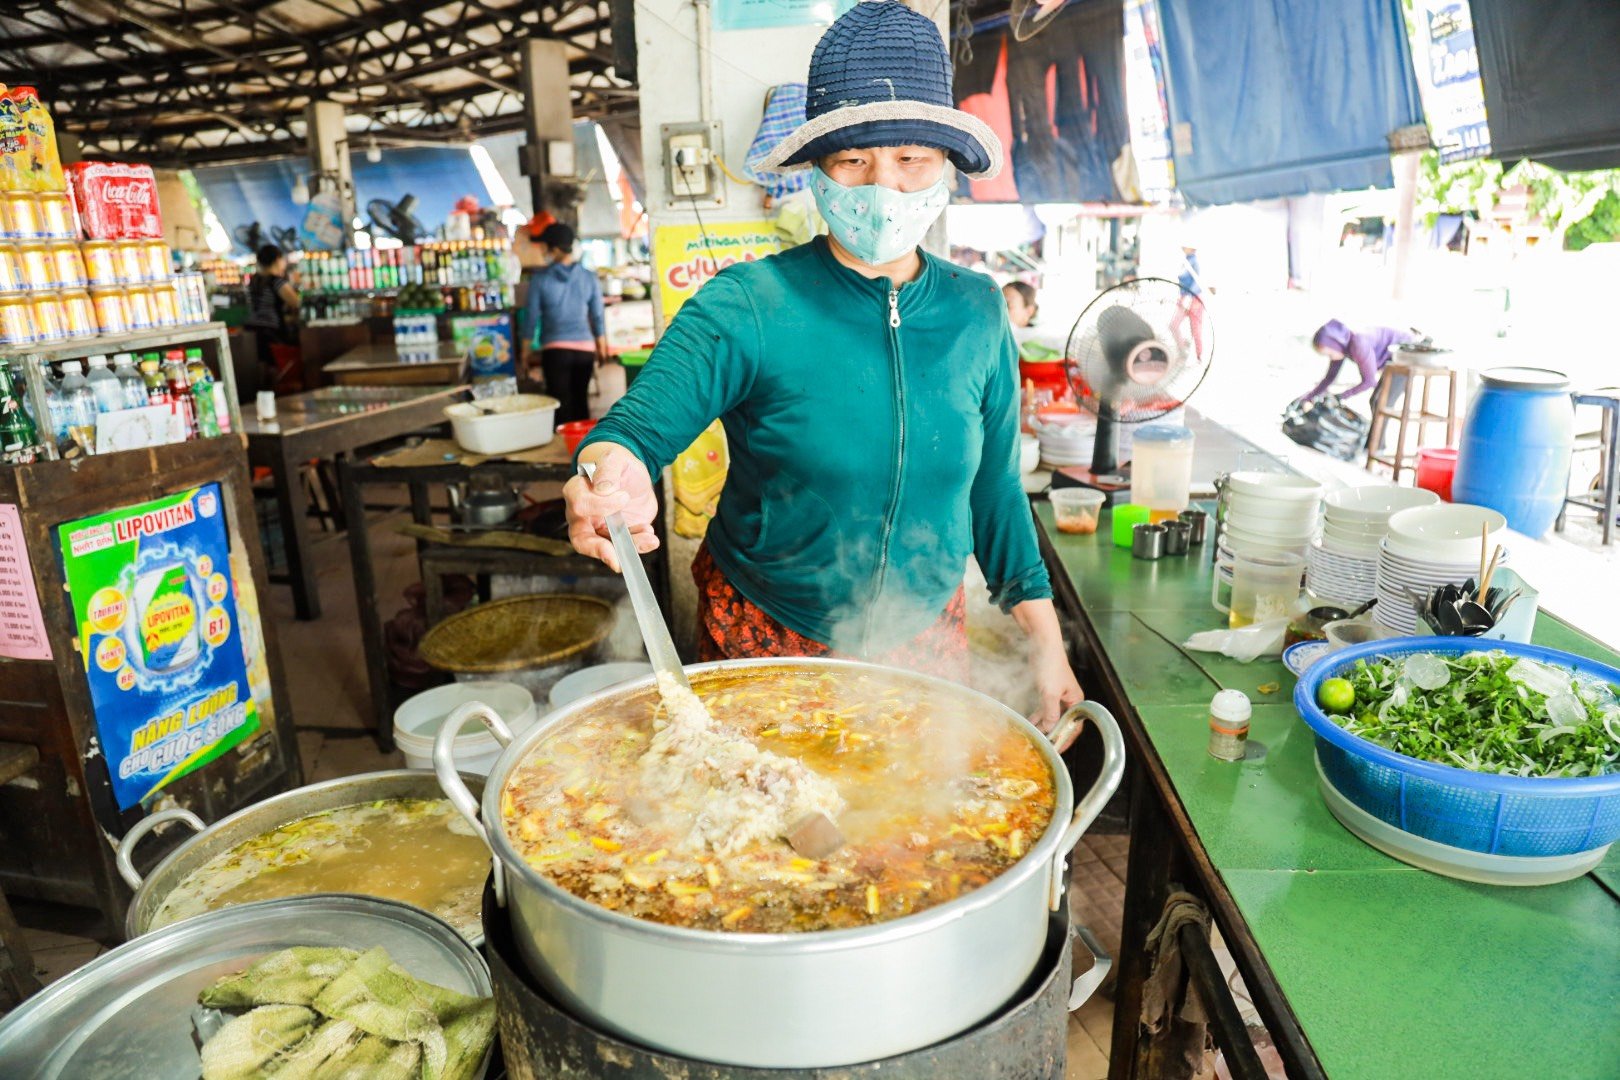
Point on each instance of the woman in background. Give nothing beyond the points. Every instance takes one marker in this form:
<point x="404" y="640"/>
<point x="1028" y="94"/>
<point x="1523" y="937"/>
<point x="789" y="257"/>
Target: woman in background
<point x="1368" y="349"/>
<point x="564" y="309"/>
<point x="272" y="298"/>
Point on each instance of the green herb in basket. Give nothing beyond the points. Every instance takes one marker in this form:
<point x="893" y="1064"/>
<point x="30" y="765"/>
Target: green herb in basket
<point x="1487" y="712"/>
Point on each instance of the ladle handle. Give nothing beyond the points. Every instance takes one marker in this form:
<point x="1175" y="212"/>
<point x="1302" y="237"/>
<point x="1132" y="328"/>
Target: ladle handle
<point x="450" y="782"/>
<point x="1108" y="781"/>
<point x="650" y="620"/>
<point x="126" y="846"/>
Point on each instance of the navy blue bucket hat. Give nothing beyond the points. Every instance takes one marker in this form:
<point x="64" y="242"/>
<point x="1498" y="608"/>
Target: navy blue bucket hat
<point x="880" y="76"/>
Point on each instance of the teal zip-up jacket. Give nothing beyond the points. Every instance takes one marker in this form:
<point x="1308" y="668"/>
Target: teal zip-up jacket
<point x="873" y="434"/>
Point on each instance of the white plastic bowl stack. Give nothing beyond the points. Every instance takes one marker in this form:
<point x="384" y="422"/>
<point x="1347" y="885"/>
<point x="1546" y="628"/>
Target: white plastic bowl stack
<point x="1270" y="513"/>
<point x="1264" y="513"/>
<point x="1429" y="546"/>
<point x="1342" y="565"/>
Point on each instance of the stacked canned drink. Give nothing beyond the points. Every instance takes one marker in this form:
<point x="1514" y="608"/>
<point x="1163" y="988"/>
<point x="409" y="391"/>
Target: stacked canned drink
<point x="54" y="286"/>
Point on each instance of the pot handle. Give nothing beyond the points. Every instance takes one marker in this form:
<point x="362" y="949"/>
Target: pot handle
<point x="1087" y="809"/>
<point x="444" y="767"/>
<point x="126" y="846"/>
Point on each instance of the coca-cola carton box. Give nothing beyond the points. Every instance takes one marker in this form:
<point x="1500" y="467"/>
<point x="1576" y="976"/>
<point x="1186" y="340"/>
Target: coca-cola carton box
<point x="116" y="201"/>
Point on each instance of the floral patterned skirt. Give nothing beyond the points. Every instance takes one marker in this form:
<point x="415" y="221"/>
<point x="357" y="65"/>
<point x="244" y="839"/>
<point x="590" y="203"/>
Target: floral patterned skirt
<point x="732" y="627"/>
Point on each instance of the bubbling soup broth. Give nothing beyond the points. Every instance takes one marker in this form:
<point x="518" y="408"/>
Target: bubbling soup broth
<point x="418" y="851"/>
<point x="942" y="798"/>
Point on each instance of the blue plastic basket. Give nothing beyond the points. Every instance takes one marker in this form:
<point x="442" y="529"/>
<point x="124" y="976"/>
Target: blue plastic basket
<point x="1482" y="812"/>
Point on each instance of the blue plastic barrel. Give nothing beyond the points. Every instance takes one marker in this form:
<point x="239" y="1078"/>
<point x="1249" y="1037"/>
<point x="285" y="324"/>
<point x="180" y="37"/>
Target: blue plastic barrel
<point x="1515" y="448"/>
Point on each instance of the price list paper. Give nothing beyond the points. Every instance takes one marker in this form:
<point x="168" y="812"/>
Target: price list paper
<point x="22" y="628"/>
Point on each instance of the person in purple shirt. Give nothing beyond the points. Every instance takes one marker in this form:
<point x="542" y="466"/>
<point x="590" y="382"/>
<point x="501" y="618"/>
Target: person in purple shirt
<point x="1368" y="349"/>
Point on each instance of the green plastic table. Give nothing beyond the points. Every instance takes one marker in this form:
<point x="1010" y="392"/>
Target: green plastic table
<point x="1361" y="966"/>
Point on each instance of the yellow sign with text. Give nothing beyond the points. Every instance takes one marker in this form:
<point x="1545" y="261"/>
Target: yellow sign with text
<point x="688" y="255"/>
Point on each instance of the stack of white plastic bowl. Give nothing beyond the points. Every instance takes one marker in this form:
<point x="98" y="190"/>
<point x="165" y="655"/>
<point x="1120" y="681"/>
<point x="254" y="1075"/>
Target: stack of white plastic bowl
<point x="1264" y="513"/>
<point x="1430" y="546"/>
<point x="1341" y="567"/>
<point x="1270" y="513"/>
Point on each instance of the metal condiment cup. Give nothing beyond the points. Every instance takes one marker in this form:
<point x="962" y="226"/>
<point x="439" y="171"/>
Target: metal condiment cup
<point x="1197" y="521"/>
<point x="1147" y="541"/>
<point x="1176" y="534"/>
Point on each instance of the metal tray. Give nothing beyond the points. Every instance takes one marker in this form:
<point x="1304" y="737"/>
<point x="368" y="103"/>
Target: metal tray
<point x="128" y="1014"/>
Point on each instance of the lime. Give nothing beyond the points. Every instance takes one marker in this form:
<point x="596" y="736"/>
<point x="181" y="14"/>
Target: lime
<point x="1336" y="695"/>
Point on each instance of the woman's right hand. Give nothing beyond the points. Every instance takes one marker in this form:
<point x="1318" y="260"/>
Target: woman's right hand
<point x="621" y="485"/>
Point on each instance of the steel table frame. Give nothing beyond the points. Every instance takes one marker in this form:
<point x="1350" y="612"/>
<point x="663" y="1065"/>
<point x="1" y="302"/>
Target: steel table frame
<point x="355" y="475"/>
<point x="283" y="452"/>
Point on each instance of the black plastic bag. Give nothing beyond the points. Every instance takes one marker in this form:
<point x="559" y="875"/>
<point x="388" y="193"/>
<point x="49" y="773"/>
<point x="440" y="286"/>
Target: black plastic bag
<point x="1328" y="425"/>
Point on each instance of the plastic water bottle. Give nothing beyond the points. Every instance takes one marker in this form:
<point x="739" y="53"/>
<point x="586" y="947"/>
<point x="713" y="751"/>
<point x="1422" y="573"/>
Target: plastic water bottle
<point x="130" y="379"/>
<point x="104" y="386"/>
<point x="78" y="406"/>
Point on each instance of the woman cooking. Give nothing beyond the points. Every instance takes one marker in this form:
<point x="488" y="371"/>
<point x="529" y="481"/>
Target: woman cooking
<point x="867" y="390"/>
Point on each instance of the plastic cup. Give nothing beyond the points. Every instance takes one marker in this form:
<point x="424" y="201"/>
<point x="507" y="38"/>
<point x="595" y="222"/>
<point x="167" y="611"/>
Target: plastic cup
<point x="1264" y="587"/>
<point x="1126" y="518"/>
<point x="1077" y="509"/>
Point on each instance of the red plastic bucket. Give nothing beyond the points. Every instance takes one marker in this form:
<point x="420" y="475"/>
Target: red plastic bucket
<point x="1435" y="468"/>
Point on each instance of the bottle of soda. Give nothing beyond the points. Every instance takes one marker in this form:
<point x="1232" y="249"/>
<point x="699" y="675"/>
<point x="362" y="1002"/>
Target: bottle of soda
<point x="174" y="373"/>
<point x="201" y="390"/>
<point x="157" y="391"/>
<point x="18" y="435"/>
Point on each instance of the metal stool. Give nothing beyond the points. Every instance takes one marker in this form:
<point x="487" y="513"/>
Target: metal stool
<point x="1402" y="458"/>
<point x="1606" y="499"/>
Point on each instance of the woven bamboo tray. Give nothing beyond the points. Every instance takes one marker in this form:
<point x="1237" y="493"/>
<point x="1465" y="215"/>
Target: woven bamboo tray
<point x="517" y="633"/>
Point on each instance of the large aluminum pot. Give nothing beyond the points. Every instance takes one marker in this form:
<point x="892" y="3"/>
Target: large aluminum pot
<point x="822" y="999"/>
<point x="256" y="820"/>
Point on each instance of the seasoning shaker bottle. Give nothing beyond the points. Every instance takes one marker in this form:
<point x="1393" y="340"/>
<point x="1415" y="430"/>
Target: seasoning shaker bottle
<point x="1229" y="713"/>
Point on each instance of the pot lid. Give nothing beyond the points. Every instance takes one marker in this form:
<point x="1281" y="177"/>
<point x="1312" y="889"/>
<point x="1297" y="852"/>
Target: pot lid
<point x="128" y="1015"/>
<point x="1525" y="378"/>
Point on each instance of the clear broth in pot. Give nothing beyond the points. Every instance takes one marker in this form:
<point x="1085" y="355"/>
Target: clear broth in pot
<point x="942" y="799"/>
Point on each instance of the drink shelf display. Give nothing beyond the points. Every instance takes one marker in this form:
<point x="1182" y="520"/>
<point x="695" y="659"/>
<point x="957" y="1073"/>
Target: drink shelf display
<point x="87" y="262"/>
<point x="120" y="392"/>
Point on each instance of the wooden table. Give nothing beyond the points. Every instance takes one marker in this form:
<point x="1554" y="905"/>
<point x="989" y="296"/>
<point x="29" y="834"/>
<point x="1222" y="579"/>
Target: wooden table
<point x="1359" y="965"/>
<point x="330" y="423"/>
<point x="381" y="364"/>
<point x="437" y="463"/>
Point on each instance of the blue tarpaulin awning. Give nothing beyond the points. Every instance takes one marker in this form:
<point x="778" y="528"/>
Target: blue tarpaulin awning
<point x="1273" y="99"/>
<point x="262" y="191"/>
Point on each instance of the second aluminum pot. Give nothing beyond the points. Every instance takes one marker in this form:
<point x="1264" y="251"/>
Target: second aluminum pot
<point x="809" y="1000"/>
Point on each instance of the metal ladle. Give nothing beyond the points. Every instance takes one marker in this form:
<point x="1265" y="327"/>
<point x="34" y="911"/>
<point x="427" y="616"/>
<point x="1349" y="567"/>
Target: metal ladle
<point x="815" y="835"/>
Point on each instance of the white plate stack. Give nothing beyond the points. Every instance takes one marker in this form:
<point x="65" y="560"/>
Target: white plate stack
<point x="1430" y="546"/>
<point x="1342" y="566"/>
<point x="1067" y="443"/>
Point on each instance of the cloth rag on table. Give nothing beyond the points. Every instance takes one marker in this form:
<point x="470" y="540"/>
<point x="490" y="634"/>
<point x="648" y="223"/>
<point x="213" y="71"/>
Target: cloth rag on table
<point x="335" y="1014"/>
<point x="1171" y="1010"/>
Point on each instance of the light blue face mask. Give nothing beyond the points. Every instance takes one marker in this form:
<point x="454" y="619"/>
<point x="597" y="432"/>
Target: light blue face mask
<point x="877" y="224"/>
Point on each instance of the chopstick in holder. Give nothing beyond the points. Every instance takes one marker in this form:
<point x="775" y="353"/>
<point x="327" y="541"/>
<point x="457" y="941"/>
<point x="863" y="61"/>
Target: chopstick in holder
<point x="1485" y="582"/>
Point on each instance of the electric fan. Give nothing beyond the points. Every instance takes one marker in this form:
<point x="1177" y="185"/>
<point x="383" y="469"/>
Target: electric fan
<point x="254" y="236"/>
<point x="250" y="236"/>
<point x="396" y="219"/>
<point x="1137" y="352"/>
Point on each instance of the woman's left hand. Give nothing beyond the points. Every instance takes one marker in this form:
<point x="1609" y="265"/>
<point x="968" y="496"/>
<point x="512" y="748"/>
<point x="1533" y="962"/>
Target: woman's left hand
<point x="1057" y="687"/>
